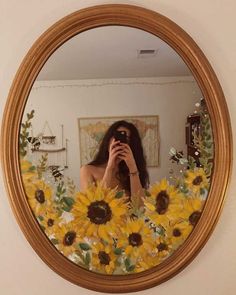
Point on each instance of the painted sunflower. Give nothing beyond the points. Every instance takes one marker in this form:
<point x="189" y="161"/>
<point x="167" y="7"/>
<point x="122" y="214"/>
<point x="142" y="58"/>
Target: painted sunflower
<point x="192" y="209"/>
<point x="49" y="220"/>
<point x="39" y="196"/>
<point x="178" y="233"/>
<point x="164" y="247"/>
<point x="98" y="213"/>
<point x="103" y="258"/>
<point x="196" y="180"/>
<point x="147" y="263"/>
<point x="67" y="238"/>
<point x="137" y="239"/>
<point x="164" y="203"/>
<point x="28" y="171"/>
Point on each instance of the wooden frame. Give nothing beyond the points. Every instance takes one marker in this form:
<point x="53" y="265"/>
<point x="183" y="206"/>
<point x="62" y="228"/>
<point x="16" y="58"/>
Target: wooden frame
<point x="180" y="41"/>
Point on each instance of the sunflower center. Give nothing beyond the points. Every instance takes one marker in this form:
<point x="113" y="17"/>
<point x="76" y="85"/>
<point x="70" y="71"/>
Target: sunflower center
<point x="194" y="217"/>
<point x="162" y="202"/>
<point x="135" y="240"/>
<point x="197" y="180"/>
<point x="176" y="232"/>
<point x="50" y="222"/>
<point x="104" y="258"/>
<point x="99" y="212"/>
<point x="162" y="247"/>
<point x="39" y="196"/>
<point x="69" y="238"/>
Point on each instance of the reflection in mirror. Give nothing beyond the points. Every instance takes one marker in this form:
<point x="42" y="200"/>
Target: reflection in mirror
<point x="99" y="77"/>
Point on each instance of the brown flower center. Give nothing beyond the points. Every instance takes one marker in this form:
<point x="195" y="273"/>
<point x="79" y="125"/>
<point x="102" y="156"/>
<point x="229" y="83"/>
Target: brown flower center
<point x="162" y="247"/>
<point x="197" y="180"/>
<point x="69" y="238"/>
<point x="176" y="232"/>
<point x="135" y="240"/>
<point x="162" y="202"/>
<point x="39" y="196"/>
<point x="194" y="217"/>
<point x="104" y="258"/>
<point x="99" y="212"/>
<point x="50" y="222"/>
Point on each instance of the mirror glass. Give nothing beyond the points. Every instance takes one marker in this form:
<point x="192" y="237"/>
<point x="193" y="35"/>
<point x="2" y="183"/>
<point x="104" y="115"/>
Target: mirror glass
<point x="99" y="77"/>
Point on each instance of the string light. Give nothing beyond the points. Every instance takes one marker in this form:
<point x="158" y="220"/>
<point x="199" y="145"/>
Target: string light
<point x="111" y="83"/>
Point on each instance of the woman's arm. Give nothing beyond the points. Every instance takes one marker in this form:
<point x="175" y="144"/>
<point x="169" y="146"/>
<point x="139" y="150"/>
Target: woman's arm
<point x="86" y="177"/>
<point x="110" y="171"/>
<point x="135" y="184"/>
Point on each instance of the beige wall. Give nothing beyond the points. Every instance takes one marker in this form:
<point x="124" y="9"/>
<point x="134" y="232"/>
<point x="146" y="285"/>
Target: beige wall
<point x="212" y="25"/>
<point x="153" y="96"/>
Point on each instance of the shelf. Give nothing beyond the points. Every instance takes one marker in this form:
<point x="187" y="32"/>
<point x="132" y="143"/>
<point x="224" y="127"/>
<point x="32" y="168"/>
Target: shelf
<point x="49" y="150"/>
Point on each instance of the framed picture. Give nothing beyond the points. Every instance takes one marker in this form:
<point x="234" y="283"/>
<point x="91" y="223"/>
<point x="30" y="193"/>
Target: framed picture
<point x="92" y="130"/>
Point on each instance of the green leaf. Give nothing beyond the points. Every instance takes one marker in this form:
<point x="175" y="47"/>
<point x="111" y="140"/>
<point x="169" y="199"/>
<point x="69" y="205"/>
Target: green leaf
<point x="127" y="263"/>
<point x="69" y="201"/>
<point x="118" y="251"/>
<point x="32" y="168"/>
<point x="87" y="258"/>
<point x="208" y="126"/>
<point x="66" y="208"/>
<point x="202" y="191"/>
<point x="191" y="162"/>
<point x="119" y="194"/>
<point x="40" y="218"/>
<point x="131" y="268"/>
<point x="147" y="193"/>
<point x="54" y="241"/>
<point x="84" y="246"/>
<point x="208" y="145"/>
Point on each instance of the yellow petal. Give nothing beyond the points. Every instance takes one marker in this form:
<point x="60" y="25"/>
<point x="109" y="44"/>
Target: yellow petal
<point x="114" y="203"/>
<point x="136" y="226"/>
<point x="102" y="233"/>
<point x="150" y="206"/>
<point x="128" y="250"/>
<point x="119" y="211"/>
<point x="91" y="229"/>
<point x="83" y="199"/>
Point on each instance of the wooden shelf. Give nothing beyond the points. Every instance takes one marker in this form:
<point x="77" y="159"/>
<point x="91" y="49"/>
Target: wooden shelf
<point x="49" y="150"/>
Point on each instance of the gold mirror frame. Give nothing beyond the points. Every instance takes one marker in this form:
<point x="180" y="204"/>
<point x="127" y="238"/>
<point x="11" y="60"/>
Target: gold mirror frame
<point x="182" y="43"/>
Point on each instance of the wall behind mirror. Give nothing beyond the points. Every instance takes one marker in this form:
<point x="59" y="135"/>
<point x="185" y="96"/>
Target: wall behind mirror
<point x="215" y="38"/>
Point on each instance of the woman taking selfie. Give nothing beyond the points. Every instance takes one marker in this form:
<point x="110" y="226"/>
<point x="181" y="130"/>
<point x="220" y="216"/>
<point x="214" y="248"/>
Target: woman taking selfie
<point x="119" y="162"/>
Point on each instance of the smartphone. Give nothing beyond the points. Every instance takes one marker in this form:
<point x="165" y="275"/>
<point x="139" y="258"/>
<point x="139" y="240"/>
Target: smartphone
<point x="121" y="136"/>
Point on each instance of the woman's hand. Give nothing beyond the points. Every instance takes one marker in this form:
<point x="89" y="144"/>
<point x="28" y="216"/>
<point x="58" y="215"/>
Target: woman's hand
<point x="126" y="154"/>
<point x="114" y="151"/>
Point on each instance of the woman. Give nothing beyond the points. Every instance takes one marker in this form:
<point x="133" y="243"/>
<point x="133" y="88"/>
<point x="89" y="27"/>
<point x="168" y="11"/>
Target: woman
<point x="118" y="164"/>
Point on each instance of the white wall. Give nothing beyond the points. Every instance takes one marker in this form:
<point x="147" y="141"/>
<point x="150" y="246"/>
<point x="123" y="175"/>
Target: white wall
<point x="171" y="98"/>
<point x="212" y="25"/>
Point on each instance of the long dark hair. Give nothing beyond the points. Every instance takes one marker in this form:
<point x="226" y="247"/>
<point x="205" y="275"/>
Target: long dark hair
<point x="135" y="144"/>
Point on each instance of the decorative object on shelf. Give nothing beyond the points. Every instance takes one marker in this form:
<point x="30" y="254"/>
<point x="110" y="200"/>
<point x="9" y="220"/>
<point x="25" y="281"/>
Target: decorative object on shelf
<point x="57" y="161"/>
<point x="48" y="139"/>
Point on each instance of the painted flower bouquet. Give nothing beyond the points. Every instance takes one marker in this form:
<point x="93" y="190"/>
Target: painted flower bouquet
<point x="103" y="230"/>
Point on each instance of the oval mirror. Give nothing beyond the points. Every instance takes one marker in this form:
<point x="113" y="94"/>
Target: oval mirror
<point x="113" y="125"/>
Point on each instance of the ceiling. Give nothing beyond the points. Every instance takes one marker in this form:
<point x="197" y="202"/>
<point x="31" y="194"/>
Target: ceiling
<point x="112" y="52"/>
